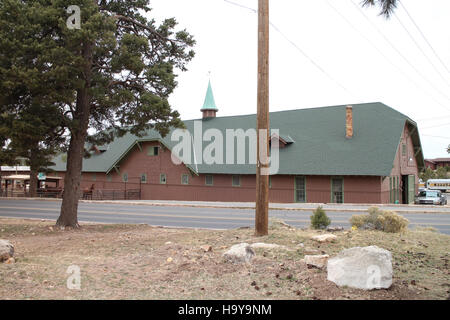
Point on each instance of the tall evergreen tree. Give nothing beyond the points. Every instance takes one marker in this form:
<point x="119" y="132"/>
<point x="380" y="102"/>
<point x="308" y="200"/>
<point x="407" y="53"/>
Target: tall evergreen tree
<point x="29" y="87"/>
<point x="37" y="136"/>
<point x="115" y="72"/>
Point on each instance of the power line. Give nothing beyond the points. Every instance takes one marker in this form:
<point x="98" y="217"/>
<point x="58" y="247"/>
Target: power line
<point x="424" y="37"/>
<point x="313" y="62"/>
<point x="435" y="118"/>
<point x="302" y="52"/>
<point x="240" y="5"/>
<point x="398" y="51"/>
<point x="427" y="135"/>
<point x="437" y="126"/>
<point x="420" y="49"/>
<point x="384" y="55"/>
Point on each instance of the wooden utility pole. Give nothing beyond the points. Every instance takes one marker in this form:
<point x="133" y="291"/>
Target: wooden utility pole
<point x="262" y="177"/>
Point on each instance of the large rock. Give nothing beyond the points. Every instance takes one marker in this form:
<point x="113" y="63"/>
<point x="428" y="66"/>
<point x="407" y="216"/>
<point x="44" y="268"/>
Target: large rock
<point x="324" y="238"/>
<point x="6" y="250"/>
<point x="318" y="261"/>
<point x="239" y="253"/>
<point x="362" y="268"/>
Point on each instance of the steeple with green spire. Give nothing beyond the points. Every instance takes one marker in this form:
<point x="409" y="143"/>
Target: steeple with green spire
<point x="209" y="108"/>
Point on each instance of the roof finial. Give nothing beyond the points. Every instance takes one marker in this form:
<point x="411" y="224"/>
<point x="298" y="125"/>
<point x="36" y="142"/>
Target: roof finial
<point x="209" y="108"/>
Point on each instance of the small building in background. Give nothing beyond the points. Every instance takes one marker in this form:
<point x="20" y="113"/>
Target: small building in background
<point x="437" y="163"/>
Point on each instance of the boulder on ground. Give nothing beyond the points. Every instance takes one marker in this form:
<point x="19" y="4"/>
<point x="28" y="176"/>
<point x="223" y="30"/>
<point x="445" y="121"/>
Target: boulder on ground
<point x="318" y="261"/>
<point x="361" y="268"/>
<point x="324" y="237"/>
<point x="239" y="253"/>
<point x="6" y="250"/>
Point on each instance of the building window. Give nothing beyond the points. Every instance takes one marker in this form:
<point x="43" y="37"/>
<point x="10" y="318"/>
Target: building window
<point x="404" y="150"/>
<point x="184" y="179"/>
<point x="94" y="177"/>
<point x="109" y="178"/>
<point x="337" y="190"/>
<point x="162" y="178"/>
<point x="153" y="151"/>
<point x="236" y="181"/>
<point x="144" y="178"/>
<point x="270" y="181"/>
<point x="125" y="177"/>
<point x="391" y="190"/>
<point x="300" y="189"/>
<point x="209" y="180"/>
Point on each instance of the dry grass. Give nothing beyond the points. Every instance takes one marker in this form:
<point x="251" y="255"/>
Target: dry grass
<point x="131" y="262"/>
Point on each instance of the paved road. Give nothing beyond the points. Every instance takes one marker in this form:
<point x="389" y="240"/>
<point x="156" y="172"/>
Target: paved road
<point x="402" y="208"/>
<point x="190" y="217"/>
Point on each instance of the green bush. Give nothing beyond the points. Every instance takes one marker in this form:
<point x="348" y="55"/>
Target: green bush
<point x="377" y="219"/>
<point x="319" y="219"/>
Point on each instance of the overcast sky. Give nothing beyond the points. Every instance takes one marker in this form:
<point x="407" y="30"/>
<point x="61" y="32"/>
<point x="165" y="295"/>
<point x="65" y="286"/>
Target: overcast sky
<point x="323" y="53"/>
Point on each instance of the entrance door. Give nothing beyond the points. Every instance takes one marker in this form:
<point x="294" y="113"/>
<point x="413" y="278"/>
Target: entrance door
<point x="337" y="190"/>
<point x="409" y="189"/>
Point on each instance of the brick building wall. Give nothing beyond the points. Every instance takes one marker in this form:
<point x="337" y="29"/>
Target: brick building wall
<point x="318" y="189"/>
<point x="405" y="164"/>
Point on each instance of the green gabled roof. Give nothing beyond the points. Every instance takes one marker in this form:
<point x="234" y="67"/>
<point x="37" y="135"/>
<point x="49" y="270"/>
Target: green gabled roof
<point x="210" y="103"/>
<point x="318" y="145"/>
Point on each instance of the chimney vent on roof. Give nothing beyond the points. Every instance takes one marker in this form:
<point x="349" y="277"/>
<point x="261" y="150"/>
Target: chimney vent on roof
<point x="349" y="122"/>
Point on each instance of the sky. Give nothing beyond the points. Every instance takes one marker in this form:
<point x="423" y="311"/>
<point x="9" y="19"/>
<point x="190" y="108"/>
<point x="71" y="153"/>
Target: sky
<point x="322" y="53"/>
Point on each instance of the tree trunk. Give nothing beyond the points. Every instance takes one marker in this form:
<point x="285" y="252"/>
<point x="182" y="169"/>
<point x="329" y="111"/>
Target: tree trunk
<point x="33" y="179"/>
<point x="72" y="179"/>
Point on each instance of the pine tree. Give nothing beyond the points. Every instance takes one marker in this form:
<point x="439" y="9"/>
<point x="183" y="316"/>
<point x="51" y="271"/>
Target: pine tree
<point x="29" y="120"/>
<point x="114" y="74"/>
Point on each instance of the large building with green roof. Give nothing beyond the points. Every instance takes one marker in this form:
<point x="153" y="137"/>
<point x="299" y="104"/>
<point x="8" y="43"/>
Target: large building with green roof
<point x="364" y="153"/>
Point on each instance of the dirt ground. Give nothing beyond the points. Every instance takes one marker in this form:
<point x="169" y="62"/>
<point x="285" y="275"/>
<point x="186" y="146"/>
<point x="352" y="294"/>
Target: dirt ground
<point x="143" y="262"/>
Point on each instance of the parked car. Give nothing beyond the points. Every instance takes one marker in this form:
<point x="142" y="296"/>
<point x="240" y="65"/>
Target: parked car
<point x="431" y="197"/>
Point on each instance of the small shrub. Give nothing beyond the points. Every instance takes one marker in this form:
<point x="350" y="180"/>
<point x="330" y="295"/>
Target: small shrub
<point x="358" y="221"/>
<point x="319" y="219"/>
<point x="392" y="222"/>
<point x="377" y="219"/>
